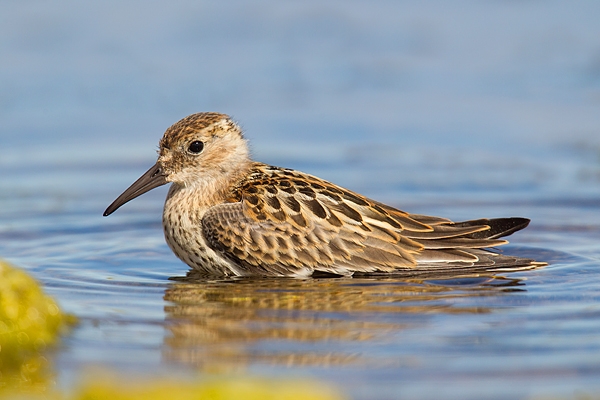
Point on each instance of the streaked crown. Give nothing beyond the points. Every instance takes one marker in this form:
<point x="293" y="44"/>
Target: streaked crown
<point x="200" y="145"/>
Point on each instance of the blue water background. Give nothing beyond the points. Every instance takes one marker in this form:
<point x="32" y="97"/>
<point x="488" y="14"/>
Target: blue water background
<point x="462" y="109"/>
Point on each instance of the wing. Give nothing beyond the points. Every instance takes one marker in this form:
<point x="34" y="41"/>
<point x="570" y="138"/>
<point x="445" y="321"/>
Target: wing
<point x="284" y="222"/>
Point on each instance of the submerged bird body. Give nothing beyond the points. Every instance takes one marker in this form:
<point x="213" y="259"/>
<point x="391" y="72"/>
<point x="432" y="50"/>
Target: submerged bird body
<point x="227" y="215"/>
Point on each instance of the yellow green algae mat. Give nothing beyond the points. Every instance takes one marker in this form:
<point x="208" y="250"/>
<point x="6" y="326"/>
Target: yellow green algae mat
<point x="219" y="389"/>
<point x="31" y="324"/>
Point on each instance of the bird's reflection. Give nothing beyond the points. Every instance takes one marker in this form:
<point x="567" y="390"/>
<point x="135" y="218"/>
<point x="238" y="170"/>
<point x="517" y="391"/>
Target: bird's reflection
<point x="230" y="324"/>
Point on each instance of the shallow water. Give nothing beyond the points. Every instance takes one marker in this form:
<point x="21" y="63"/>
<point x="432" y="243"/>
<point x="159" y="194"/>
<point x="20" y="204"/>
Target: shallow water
<point x="483" y="109"/>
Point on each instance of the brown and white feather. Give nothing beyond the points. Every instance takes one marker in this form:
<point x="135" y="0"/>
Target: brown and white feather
<point x="295" y="223"/>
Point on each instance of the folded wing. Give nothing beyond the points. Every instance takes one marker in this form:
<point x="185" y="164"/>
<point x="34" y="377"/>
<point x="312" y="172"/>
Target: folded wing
<point x="285" y="222"/>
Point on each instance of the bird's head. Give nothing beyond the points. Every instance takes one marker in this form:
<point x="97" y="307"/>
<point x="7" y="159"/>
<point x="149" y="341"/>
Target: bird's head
<point x="201" y="149"/>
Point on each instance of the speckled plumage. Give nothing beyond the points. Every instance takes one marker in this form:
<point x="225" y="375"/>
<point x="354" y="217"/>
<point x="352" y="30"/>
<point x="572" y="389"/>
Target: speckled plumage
<point x="228" y="215"/>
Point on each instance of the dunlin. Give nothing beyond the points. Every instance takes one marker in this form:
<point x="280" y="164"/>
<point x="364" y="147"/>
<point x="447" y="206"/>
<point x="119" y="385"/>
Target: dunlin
<point x="228" y="215"/>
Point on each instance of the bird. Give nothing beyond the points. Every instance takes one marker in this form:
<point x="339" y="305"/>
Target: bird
<point x="227" y="215"/>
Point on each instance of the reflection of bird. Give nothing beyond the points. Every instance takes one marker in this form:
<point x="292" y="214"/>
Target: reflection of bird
<point x="227" y="215"/>
<point x="225" y="324"/>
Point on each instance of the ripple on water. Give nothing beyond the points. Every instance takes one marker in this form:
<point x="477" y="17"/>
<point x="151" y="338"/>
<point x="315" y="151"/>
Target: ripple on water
<point x="472" y="335"/>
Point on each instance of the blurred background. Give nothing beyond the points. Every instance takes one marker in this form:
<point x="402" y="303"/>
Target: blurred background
<point x="462" y="109"/>
<point x="443" y="94"/>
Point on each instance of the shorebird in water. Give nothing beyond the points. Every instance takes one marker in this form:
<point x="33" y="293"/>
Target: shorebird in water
<point x="228" y="215"/>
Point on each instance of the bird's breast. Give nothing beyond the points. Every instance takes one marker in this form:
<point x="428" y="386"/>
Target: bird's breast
<point x="182" y="226"/>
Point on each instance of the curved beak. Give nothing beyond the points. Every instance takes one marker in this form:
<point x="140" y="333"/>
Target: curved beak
<point x="153" y="178"/>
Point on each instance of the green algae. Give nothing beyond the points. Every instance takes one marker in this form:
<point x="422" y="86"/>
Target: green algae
<point x="102" y="385"/>
<point x="215" y="389"/>
<point x="30" y="325"/>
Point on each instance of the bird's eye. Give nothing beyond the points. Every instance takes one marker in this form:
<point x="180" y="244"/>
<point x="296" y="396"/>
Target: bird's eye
<point x="196" y="147"/>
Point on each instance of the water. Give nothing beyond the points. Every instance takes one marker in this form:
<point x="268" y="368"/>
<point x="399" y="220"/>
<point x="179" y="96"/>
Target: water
<point x="462" y="109"/>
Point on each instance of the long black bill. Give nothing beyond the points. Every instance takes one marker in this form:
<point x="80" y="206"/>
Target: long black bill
<point x="153" y="178"/>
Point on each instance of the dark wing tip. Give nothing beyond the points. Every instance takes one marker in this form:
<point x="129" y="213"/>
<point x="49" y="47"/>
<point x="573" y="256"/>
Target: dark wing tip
<point x="499" y="227"/>
<point x="507" y="226"/>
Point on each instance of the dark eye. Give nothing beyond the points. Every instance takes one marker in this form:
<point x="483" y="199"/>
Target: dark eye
<point x="196" y="147"/>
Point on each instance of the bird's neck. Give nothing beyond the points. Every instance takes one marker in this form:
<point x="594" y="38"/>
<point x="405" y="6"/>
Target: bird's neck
<point x="211" y="190"/>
